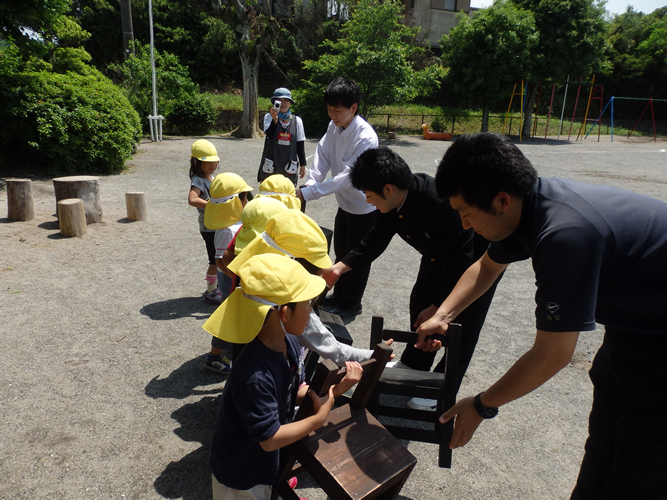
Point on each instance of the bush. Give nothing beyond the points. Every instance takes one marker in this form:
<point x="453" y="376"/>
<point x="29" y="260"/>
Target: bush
<point x="438" y="124"/>
<point x="193" y="114"/>
<point x="66" y="123"/>
<point x="310" y="106"/>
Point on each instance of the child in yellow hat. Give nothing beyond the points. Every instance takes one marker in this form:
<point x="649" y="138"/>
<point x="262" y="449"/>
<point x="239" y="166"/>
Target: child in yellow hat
<point x="204" y="162"/>
<point x="292" y="233"/>
<point x="269" y="311"/>
<point x="229" y="194"/>
<point x="280" y="188"/>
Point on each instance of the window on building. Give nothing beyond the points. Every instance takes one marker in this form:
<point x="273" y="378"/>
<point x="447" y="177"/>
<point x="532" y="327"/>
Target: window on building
<point x="443" y="4"/>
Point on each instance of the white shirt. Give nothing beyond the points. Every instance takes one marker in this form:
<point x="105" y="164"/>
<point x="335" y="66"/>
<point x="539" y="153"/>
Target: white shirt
<point x="336" y="152"/>
<point x="300" y="134"/>
<point x="223" y="237"/>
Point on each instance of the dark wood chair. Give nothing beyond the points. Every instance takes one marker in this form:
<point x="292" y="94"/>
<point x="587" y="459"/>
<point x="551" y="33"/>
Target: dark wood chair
<point x="413" y="383"/>
<point x="352" y="456"/>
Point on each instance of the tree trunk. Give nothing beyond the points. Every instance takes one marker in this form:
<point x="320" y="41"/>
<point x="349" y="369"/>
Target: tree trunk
<point x="249" y="127"/>
<point x="85" y="187"/>
<point x="136" y="206"/>
<point x="20" y="205"/>
<point x="72" y="217"/>
<point x="485" y="117"/>
<point x="527" y="128"/>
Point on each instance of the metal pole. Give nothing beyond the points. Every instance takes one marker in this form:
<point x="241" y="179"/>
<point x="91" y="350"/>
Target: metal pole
<point x="612" y="118"/>
<point x="155" y="115"/>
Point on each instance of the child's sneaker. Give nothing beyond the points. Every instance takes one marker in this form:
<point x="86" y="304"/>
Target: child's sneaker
<point x="218" y="363"/>
<point x="214" y="297"/>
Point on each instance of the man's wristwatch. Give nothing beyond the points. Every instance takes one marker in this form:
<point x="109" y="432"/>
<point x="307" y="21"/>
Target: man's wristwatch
<point x="484" y="411"/>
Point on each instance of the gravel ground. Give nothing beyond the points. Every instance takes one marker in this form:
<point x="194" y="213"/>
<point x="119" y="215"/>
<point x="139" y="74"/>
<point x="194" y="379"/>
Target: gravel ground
<point x="102" y="388"/>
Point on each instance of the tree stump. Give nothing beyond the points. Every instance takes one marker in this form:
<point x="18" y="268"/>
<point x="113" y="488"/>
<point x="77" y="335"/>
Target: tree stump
<point x="84" y="187"/>
<point x="136" y="206"/>
<point x="20" y="205"/>
<point x="72" y="217"/>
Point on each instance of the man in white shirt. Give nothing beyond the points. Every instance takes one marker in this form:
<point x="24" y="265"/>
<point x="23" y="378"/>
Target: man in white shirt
<point x="347" y="137"/>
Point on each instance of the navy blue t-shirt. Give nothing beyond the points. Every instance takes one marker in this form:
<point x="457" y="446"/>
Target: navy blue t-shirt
<point x="599" y="255"/>
<point x="259" y="397"/>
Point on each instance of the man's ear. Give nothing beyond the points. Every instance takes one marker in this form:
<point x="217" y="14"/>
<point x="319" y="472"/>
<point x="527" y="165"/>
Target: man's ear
<point x="388" y="190"/>
<point x="502" y="201"/>
<point x="354" y="108"/>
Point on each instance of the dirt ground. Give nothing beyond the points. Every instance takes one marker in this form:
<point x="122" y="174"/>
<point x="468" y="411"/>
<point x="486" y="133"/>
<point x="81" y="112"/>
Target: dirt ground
<point x="103" y="394"/>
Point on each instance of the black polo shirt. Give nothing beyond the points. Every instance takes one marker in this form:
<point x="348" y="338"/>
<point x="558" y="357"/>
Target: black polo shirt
<point x="429" y="225"/>
<point x="599" y="255"/>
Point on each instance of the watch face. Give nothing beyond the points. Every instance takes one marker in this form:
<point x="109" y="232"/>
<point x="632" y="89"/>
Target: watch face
<point x="484" y="411"/>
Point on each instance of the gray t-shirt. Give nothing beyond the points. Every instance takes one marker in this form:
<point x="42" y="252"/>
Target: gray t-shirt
<point x="203" y="185"/>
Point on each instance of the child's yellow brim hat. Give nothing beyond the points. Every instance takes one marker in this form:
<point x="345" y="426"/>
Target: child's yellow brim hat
<point x="204" y="150"/>
<point x="254" y="217"/>
<point x="224" y="207"/>
<point x="290" y="233"/>
<point x="280" y="188"/>
<point x="267" y="281"/>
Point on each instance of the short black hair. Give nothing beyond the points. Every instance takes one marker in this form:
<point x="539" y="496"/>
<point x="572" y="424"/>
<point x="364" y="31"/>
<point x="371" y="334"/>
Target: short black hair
<point x="479" y="166"/>
<point x="377" y="167"/>
<point x="343" y="92"/>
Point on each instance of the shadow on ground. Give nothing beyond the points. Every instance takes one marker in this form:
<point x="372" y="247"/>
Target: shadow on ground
<point x="184" y="381"/>
<point x="183" y="307"/>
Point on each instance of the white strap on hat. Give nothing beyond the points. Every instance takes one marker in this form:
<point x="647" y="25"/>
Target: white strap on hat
<point x="260" y="300"/>
<point x="224" y="199"/>
<point x="271" y="242"/>
<point x="272" y="193"/>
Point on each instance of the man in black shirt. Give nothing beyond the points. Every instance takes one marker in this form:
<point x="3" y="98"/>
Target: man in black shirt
<point x="599" y="255"/>
<point x="410" y="207"/>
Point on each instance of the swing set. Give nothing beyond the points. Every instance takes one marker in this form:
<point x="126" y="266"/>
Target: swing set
<point x="595" y="94"/>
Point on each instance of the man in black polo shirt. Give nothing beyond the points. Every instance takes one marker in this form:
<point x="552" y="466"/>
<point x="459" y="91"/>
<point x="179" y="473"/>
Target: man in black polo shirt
<point x="599" y="255"/>
<point x="410" y="207"/>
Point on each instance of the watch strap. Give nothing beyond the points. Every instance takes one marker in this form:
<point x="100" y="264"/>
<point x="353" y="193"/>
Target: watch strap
<point x="484" y="411"/>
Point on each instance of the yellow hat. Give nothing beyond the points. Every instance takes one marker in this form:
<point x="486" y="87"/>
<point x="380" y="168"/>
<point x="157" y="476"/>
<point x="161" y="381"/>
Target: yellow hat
<point x="224" y="207"/>
<point x="203" y="150"/>
<point x="254" y="217"/>
<point x="291" y="233"/>
<point x="280" y="188"/>
<point x="266" y="281"/>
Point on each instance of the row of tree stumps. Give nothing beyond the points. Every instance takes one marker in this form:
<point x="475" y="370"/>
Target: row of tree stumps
<point x="77" y="202"/>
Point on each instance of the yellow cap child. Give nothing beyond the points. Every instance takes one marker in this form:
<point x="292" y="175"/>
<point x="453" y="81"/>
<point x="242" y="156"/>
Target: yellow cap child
<point x="224" y="207"/>
<point x="254" y="217"/>
<point x="267" y="281"/>
<point x="291" y="233"/>
<point x="280" y="188"/>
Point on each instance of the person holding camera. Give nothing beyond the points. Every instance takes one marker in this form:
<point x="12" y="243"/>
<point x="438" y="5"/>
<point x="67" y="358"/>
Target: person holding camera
<point x="284" y="151"/>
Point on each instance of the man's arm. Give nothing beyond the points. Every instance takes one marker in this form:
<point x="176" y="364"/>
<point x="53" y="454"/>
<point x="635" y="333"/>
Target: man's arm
<point x="550" y="353"/>
<point x="475" y="281"/>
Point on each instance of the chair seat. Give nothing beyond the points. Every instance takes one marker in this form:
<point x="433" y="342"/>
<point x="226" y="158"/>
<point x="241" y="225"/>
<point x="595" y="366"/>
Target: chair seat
<point x="362" y="458"/>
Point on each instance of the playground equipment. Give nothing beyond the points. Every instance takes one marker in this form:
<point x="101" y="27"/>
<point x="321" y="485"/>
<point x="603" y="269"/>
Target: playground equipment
<point x="522" y="104"/>
<point x="438" y="136"/>
<point x="648" y="104"/>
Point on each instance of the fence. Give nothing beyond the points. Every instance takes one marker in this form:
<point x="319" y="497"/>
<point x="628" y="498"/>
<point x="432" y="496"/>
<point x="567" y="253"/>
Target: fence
<point x="410" y="124"/>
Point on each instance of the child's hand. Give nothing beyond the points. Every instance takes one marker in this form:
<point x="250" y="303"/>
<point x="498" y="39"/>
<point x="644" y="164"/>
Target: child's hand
<point x="389" y="342"/>
<point x="323" y="405"/>
<point x="353" y="373"/>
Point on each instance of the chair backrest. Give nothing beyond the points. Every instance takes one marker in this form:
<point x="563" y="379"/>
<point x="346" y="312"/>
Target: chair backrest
<point x="441" y="387"/>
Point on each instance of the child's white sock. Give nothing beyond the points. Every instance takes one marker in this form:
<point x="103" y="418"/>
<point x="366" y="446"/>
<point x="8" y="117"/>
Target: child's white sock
<point x="211" y="282"/>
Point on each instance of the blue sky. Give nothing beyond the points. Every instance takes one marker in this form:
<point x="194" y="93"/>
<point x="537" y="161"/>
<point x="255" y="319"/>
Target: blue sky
<point x="613" y="6"/>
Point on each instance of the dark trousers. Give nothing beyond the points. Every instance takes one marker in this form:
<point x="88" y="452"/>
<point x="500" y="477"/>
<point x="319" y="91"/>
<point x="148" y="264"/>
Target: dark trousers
<point x="349" y="230"/>
<point x="626" y="449"/>
<point x="471" y="319"/>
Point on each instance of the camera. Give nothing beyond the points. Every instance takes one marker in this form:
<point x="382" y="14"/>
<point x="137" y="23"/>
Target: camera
<point x="276" y="105"/>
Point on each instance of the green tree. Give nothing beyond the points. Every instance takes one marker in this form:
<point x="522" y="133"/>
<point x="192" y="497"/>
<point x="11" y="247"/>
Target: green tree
<point x="572" y="42"/>
<point x="22" y="23"/>
<point x="178" y="96"/>
<point x="500" y="41"/>
<point x="375" y="49"/>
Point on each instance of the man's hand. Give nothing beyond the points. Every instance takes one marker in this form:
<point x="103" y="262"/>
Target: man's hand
<point x="466" y="423"/>
<point x="435" y="324"/>
<point x="332" y="274"/>
<point x="425" y="315"/>
<point x="299" y="195"/>
<point x="302" y="171"/>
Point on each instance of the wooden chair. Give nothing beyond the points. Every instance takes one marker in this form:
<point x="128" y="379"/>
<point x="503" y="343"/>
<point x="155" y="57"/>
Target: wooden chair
<point x="352" y="456"/>
<point x="413" y="383"/>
